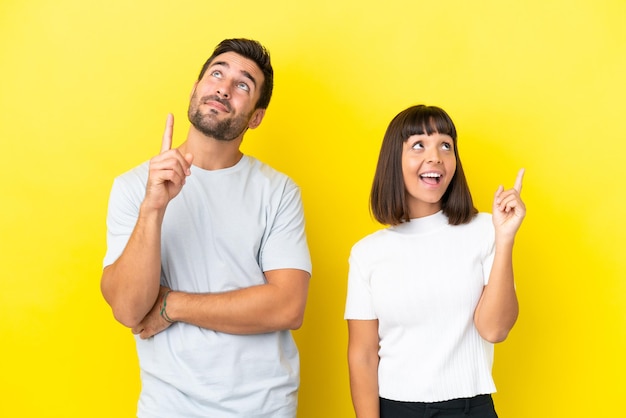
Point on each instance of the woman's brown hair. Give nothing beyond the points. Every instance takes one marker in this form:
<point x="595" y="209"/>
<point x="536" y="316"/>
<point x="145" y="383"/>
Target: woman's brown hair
<point x="388" y="197"/>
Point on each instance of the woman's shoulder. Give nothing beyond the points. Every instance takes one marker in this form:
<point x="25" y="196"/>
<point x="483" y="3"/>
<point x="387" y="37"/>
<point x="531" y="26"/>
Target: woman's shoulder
<point x="372" y="241"/>
<point x="481" y="221"/>
<point x="482" y="218"/>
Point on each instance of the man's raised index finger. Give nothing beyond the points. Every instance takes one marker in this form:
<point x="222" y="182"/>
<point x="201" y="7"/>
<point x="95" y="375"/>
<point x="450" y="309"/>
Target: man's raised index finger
<point x="166" y="145"/>
<point x="518" y="180"/>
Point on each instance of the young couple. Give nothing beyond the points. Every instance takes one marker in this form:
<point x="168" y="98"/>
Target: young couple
<point x="207" y="262"/>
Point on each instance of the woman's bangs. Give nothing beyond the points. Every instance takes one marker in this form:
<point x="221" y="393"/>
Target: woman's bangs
<point x="427" y="122"/>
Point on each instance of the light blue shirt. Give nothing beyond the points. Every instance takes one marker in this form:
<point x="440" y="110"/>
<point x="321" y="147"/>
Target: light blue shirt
<point x="224" y="229"/>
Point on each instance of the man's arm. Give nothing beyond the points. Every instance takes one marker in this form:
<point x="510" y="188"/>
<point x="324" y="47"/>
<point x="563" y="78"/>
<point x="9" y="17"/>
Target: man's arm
<point x="131" y="284"/>
<point x="276" y="305"/>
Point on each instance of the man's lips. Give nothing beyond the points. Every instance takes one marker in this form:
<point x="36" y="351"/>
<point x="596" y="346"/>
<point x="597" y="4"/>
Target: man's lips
<point x="217" y="103"/>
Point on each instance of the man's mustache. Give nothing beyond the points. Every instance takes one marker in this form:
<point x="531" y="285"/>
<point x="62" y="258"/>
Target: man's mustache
<point x="214" y="98"/>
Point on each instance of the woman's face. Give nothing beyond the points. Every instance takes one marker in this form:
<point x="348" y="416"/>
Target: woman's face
<point x="428" y="165"/>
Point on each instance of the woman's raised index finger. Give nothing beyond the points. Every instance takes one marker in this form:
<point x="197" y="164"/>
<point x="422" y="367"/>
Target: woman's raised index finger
<point x="518" y="180"/>
<point x="166" y="144"/>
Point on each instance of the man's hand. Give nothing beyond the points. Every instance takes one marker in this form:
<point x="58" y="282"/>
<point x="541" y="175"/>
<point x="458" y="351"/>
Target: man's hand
<point x="509" y="209"/>
<point x="168" y="171"/>
<point x="153" y="323"/>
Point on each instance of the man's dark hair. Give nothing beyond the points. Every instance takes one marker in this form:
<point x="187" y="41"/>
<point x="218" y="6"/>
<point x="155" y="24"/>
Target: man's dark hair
<point x="254" y="51"/>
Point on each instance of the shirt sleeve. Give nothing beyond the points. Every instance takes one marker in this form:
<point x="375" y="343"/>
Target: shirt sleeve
<point x="123" y="208"/>
<point x="285" y="245"/>
<point x="359" y="302"/>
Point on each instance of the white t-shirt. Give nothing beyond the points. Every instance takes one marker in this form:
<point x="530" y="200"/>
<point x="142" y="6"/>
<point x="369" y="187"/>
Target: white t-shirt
<point x="224" y="229"/>
<point x="422" y="281"/>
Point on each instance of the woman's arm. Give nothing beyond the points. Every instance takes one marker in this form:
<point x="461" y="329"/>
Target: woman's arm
<point x="363" y="364"/>
<point x="498" y="307"/>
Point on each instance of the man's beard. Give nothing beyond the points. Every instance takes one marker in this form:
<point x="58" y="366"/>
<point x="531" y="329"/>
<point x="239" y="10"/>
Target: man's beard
<point x="225" y="130"/>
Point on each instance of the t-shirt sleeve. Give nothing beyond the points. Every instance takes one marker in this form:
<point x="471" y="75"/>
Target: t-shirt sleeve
<point x="123" y="209"/>
<point x="359" y="303"/>
<point x="286" y="244"/>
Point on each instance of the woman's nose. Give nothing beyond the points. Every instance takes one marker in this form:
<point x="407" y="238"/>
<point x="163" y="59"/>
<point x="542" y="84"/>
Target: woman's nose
<point x="434" y="157"/>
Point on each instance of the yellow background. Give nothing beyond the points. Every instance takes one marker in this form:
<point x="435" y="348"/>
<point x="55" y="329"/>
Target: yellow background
<point x="84" y="90"/>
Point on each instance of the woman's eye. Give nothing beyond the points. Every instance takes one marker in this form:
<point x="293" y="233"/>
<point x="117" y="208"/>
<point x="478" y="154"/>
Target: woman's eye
<point x="447" y="146"/>
<point x="418" y="145"/>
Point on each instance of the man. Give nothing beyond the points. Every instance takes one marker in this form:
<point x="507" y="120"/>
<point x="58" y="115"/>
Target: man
<point x="207" y="259"/>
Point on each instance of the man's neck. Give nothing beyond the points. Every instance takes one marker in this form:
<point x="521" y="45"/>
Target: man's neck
<point x="210" y="153"/>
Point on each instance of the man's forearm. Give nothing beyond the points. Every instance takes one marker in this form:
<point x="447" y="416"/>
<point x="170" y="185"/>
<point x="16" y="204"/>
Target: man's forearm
<point x="131" y="284"/>
<point x="277" y="305"/>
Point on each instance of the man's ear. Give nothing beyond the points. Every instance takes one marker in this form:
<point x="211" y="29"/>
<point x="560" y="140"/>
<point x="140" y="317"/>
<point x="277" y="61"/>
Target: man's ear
<point x="256" y="118"/>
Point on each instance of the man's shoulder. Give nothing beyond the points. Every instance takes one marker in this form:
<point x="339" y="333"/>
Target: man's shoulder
<point x="138" y="172"/>
<point x="133" y="180"/>
<point x="140" y="169"/>
<point x="268" y="173"/>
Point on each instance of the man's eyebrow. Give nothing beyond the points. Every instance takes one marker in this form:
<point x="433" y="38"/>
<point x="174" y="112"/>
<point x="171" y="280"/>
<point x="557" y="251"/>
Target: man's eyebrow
<point x="248" y="75"/>
<point x="244" y="73"/>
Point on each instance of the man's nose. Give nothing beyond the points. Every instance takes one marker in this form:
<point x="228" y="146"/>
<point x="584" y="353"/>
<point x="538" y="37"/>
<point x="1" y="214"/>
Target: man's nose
<point x="223" y="90"/>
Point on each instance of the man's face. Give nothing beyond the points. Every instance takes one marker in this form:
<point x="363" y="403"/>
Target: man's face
<point x="222" y="102"/>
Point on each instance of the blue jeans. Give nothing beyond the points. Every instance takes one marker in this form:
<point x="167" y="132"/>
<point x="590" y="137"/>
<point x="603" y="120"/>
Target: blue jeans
<point x="480" y="406"/>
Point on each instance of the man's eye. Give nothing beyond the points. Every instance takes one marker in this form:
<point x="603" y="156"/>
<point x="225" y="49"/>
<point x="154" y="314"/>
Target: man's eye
<point x="216" y="74"/>
<point x="243" y="86"/>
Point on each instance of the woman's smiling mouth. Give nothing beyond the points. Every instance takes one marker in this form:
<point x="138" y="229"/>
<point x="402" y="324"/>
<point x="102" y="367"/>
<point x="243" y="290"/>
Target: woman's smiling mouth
<point x="431" y="178"/>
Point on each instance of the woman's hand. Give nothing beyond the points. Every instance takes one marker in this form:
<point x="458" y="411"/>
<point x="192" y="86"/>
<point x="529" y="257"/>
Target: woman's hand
<point x="509" y="209"/>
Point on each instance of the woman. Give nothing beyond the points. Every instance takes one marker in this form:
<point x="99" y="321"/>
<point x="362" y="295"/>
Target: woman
<point x="429" y="295"/>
